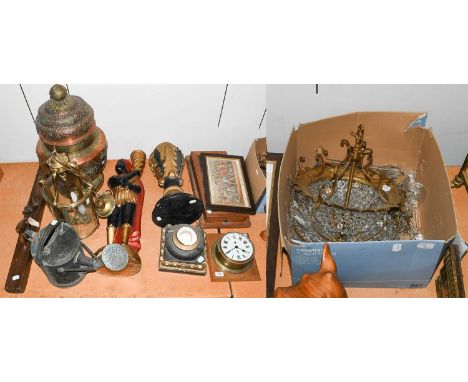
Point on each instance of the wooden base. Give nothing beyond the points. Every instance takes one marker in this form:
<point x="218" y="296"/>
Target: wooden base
<point x="189" y="267"/>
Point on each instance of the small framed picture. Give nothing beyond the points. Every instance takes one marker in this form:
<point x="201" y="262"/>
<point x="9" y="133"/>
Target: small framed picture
<point x="226" y="183"/>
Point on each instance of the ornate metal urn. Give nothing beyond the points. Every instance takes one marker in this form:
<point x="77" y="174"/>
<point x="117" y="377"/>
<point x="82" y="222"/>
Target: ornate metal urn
<point x="65" y="123"/>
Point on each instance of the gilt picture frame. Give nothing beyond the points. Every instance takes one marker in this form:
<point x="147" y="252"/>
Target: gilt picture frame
<point x="226" y="184"/>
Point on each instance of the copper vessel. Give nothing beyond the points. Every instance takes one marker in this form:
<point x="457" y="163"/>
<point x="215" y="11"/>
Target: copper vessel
<point x="66" y="123"/>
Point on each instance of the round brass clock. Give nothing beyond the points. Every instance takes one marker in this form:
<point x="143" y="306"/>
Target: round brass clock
<point x="233" y="252"/>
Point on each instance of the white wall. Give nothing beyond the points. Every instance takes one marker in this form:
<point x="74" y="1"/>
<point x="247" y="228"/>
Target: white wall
<point x="447" y="105"/>
<point x="141" y="116"/>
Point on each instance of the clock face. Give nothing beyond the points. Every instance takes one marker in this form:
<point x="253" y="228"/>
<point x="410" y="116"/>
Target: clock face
<point x="237" y="247"/>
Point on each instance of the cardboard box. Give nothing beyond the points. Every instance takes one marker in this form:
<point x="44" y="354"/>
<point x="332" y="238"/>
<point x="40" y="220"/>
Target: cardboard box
<point x="257" y="179"/>
<point x="396" y="138"/>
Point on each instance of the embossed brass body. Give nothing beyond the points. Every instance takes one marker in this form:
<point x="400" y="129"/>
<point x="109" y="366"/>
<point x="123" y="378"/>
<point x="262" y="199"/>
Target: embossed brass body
<point x="65" y="123"/>
<point x="175" y="207"/>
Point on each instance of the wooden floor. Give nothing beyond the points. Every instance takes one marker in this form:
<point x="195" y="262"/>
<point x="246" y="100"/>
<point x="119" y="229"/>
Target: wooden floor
<point x="14" y="192"/>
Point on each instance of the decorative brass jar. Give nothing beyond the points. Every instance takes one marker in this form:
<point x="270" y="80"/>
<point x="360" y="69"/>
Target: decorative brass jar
<point x="66" y="123"/>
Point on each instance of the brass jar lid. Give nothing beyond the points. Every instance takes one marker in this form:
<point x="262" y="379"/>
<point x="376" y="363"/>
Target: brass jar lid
<point x="64" y="119"/>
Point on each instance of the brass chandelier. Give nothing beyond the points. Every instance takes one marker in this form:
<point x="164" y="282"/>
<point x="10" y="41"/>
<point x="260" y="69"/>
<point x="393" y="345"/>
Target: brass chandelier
<point x="352" y="200"/>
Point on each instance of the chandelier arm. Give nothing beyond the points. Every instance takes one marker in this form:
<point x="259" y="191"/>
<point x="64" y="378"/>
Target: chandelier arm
<point x="338" y="177"/>
<point x="367" y="153"/>
<point x="345" y="142"/>
<point x="368" y="176"/>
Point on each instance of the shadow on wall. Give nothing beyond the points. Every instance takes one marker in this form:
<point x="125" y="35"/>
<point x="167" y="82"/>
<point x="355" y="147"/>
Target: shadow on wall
<point x="141" y="116"/>
<point x="290" y="105"/>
